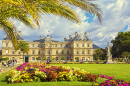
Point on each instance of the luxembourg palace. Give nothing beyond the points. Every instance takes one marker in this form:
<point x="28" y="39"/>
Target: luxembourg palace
<point x="78" y="46"/>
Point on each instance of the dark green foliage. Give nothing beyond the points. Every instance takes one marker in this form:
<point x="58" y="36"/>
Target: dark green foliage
<point x="121" y="44"/>
<point x="38" y="58"/>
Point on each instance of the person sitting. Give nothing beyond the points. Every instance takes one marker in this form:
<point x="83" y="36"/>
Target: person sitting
<point x="3" y="64"/>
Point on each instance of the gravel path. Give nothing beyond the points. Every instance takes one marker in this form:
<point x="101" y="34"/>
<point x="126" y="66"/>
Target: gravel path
<point x="5" y="69"/>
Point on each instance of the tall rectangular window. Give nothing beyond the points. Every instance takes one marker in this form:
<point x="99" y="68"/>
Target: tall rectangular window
<point x="66" y="45"/>
<point x="62" y="52"/>
<point x="77" y="52"/>
<point x="77" y="45"/>
<point x="48" y="51"/>
<point x="38" y="45"/>
<point x="13" y="52"/>
<point x="33" y="52"/>
<point x="56" y="51"/>
<point x="88" y="51"/>
<point x="6" y="44"/>
<point x="33" y="45"/>
<point x="82" y="45"/>
<point x="39" y="52"/>
<point x="82" y="51"/>
<point x="56" y="45"/>
<point x="6" y="51"/>
<point x="88" y="45"/>
<point x="67" y="51"/>
<point x="19" y="51"/>
<point x="61" y="45"/>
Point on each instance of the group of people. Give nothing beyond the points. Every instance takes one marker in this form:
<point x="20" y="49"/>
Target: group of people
<point x="9" y="63"/>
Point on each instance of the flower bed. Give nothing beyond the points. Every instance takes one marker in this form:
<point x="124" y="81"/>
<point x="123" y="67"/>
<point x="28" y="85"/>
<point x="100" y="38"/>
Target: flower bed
<point x="37" y="72"/>
<point x="40" y="72"/>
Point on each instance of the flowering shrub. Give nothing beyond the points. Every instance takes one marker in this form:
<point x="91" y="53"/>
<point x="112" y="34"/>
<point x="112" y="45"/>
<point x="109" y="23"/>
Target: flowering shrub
<point x="111" y="77"/>
<point x="114" y="83"/>
<point x="29" y="72"/>
<point x="103" y="76"/>
<point x="52" y="76"/>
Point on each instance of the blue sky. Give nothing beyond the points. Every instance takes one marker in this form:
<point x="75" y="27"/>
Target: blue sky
<point x="116" y="18"/>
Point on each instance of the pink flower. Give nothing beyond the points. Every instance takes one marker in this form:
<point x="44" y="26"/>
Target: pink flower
<point x="103" y="76"/>
<point x="108" y="81"/>
<point x="120" y="84"/>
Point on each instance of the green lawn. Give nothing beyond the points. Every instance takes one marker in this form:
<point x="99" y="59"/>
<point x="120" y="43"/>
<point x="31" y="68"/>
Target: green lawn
<point x="119" y="71"/>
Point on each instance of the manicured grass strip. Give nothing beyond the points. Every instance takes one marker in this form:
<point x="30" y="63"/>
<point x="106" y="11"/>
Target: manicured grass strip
<point x="119" y="71"/>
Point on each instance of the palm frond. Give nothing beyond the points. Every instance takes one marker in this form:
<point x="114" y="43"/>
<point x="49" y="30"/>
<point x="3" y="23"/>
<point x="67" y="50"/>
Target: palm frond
<point x="60" y="10"/>
<point x="8" y="28"/>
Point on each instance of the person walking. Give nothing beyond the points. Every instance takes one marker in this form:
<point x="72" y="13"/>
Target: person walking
<point x="13" y="63"/>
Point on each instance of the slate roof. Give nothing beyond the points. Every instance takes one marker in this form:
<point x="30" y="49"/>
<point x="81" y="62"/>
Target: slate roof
<point x="79" y="37"/>
<point x="95" y="46"/>
<point x="47" y="38"/>
<point x="18" y="37"/>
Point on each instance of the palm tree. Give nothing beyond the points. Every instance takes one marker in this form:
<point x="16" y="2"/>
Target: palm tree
<point x="24" y="47"/>
<point x="22" y="9"/>
<point x="11" y="11"/>
<point x="98" y="52"/>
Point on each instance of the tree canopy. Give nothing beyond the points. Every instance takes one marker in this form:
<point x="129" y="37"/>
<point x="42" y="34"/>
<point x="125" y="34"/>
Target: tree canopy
<point x="26" y="10"/>
<point x="121" y="43"/>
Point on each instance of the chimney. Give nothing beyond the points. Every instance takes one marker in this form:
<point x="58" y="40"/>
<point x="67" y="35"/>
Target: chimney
<point x="85" y="33"/>
<point x="69" y="36"/>
<point x="20" y="33"/>
<point x="40" y="37"/>
<point x="64" y="39"/>
<point x="51" y="37"/>
<point x="75" y="34"/>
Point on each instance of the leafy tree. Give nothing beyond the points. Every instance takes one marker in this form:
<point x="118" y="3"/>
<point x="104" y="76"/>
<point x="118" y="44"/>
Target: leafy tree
<point x="53" y="59"/>
<point x="44" y="58"/>
<point x="121" y="43"/>
<point x="24" y="47"/>
<point x="23" y="10"/>
<point x="62" y="58"/>
<point x="126" y="54"/>
<point x="98" y="52"/>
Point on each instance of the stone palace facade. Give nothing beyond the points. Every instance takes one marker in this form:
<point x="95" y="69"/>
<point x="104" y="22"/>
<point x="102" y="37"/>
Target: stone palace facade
<point x="78" y="46"/>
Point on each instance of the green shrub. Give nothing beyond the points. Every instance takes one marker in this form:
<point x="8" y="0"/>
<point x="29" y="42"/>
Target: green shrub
<point x="38" y="58"/>
<point x="4" y="58"/>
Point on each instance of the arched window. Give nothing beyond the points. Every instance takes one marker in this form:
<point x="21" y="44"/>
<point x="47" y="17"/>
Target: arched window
<point x="13" y="58"/>
<point x="88" y="58"/>
<point x="56" y="58"/>
<point x="33" y="58"/>
<point x="68" y="58"/>
<point x="83" y="58"/>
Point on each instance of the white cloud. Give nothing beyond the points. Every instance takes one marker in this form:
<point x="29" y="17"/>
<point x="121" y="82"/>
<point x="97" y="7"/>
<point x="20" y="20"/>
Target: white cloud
<point x="116" y="16"/>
